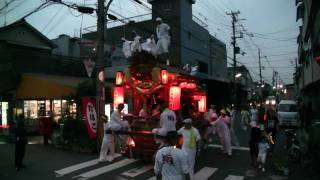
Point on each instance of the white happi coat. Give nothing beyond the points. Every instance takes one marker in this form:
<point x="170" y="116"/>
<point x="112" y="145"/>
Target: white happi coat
<point x="167" y="122"/>
<point x="171" y="163"/>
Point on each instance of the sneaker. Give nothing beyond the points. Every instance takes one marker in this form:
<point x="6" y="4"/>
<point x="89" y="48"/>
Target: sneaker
<point x="259" y="167"/>
<point x="263" y="170"/>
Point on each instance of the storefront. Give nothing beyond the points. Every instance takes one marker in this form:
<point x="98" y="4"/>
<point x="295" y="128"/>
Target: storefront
<point x="41" y="95"/>
<point x="4" y="114"/>
<point x="57" y="108"/>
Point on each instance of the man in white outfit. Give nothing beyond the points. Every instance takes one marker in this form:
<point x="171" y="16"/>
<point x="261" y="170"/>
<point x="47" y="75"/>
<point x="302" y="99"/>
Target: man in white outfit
<point x="223" y="132"/>
<point x="234" y="138"/>
<point x="163" y="35"/>
<point x="209" y="116"/>
<point x="191" y="143"/>
<point x="171" y="162"/>
<point x="168" y="122"/>
<point x="107" y="143"/>
<point x="116" y="123"/>
<point x="254" y="116"/>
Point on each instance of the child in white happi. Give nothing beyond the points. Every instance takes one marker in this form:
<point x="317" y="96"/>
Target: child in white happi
<point x="107" y="143"/>
<point x="263" y="147"/>
<point x="190" y="146"/>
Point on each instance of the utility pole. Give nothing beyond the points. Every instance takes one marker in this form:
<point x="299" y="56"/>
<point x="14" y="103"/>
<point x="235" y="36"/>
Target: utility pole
<point x="100" y="76"/>
<point x="260" y="73"/>
<point x="236" y="50"/>
<point x="5" y="13"/>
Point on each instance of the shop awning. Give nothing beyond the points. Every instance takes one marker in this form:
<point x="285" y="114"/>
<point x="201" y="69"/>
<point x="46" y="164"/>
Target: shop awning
<point x="41" y="86"/>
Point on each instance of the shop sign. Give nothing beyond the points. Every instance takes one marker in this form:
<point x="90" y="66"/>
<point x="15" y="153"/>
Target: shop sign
<point x="90" y="116"/>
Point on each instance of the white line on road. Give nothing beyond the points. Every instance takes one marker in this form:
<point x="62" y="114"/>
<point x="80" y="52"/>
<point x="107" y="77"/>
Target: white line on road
<point x="137" y="171"/>
<point x="205" y="173"/>
<point x="202" y="174"/>
<point x="76" y="167"/>
<point x="233" y="177"/>
<point x="233" y="147"/>
<point x="105" y="169"/>
<point x="153" y="178"/>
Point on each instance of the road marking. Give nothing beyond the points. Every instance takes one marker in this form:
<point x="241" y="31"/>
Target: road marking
<point x="233" y="147"/>
<point x="105" y="169"/>
<point x="70" y="169"/>
<point x="233" y="177"/>
<point x="205" y="173"/>
<point x="202" y="174"/>
<point x="153" y="178"/>
<point x="137" y="171"/>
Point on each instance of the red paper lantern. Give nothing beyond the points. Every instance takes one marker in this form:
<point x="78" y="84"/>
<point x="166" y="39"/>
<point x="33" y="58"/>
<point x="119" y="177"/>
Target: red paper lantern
<point x="164" y="76"/>
<point x="183" y="85"/>
<point x="119" y="78"/>
<point x="197" y="97"/>
<point x="202" y="104"/>
<point x="191" y="86"/>
<point x="174" y="98"/>
<point x="118" y="96"/>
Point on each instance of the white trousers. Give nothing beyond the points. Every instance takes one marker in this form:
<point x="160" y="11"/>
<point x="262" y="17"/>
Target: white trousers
<point x="107" y="146"/>
<point x="225" y="140"/>
<point x="163" y="45"/>
<point x="191" y="156"/>
<point x="262" y="157"/>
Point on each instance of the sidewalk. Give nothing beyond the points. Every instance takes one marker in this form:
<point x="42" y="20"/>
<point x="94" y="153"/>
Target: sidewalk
<point x="40" y="160"/>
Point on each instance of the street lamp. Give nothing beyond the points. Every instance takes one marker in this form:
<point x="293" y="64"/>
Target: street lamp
<point x="238" y="75"/>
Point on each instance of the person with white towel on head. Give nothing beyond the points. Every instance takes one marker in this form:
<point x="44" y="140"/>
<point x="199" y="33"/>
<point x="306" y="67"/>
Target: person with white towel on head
<point x="191" y="143"/>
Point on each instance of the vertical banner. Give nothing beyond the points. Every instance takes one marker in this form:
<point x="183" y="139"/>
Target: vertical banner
<point x="90" y="116"/>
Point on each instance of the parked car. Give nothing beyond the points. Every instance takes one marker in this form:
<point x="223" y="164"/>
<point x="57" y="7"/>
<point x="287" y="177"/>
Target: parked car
<point x="288" y="113"/>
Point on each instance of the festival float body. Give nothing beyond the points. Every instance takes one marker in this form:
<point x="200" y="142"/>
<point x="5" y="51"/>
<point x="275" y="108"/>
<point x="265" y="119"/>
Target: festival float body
<point x="147" y="83"/>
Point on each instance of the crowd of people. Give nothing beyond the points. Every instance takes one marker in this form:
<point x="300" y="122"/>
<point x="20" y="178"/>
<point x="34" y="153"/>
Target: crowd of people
<point x="171" y="161"/>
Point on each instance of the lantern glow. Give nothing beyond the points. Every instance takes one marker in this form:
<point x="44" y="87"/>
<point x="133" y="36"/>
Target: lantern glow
<point x="174" y="98"/>
<point x="164" y="76"/>
<point x="183" y="85"/>
<point x="191" y="86"/>
<point x="118" y="96"/>
<point x="202" y="104"/>
<point x="119" y="78"/>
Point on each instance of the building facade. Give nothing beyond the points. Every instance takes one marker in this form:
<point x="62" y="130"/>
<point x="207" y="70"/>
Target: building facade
<point x="34" y="82"/>
<point x="307" y="77"/>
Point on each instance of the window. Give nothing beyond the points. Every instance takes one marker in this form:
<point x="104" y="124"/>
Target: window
<point x="203" y="67"/>
<point x="287" y="108"/>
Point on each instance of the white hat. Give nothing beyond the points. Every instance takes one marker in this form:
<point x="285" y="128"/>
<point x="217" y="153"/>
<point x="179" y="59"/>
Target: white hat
<point x="189" y="121"/>
<point x="158" y="19"/>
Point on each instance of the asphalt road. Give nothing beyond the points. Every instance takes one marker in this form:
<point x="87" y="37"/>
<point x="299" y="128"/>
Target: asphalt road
<point x="47" y="162"/>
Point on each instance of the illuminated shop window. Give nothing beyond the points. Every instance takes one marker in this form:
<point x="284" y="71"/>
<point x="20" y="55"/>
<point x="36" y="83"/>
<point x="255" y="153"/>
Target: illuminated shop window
<point x="31" y="109"/>
<point x="4" y="114"/>
<point x="56" y="110"/>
